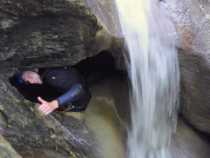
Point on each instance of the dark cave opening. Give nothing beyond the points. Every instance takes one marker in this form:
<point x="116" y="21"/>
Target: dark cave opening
<point x="97" y="68"/>
<point x="93" y="70"/>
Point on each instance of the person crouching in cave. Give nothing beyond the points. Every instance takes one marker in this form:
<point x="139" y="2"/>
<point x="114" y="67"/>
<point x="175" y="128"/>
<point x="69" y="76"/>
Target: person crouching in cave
<point x="53" y="89"/>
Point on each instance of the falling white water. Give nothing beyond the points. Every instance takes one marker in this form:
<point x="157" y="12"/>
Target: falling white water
<point x="154" y="76"/>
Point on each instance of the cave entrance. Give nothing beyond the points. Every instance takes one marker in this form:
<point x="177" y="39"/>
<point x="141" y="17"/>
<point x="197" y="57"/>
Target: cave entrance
<point x="93" y="70"/>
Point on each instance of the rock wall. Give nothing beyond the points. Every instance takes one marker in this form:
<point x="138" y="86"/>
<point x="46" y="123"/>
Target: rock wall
<point x="36" y="33"/>
<point x="192" y="19"/>
<point x="187" y="143"/>
<point x="45" y="33"/>
<point x="6" y="150"/>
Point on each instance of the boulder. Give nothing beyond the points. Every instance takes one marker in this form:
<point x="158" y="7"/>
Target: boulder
<point x="188" y="143"/>
<point x="37" y="33"/>
<point x="193" y="29"/>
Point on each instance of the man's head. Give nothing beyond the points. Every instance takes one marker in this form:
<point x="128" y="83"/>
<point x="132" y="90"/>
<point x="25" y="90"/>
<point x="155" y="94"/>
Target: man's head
<point x="31" y="77"/>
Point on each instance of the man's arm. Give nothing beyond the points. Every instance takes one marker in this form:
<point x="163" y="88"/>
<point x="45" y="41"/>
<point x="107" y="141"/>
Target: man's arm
<point x="71" y="95"/>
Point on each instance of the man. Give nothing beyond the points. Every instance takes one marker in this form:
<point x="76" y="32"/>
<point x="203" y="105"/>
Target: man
<point x="53" y="89"/>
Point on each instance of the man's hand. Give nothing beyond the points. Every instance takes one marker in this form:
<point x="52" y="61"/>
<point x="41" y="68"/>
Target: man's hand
<point x="47" y="107"/>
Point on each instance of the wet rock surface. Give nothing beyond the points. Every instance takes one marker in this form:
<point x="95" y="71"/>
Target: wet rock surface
<point x="192" y="22"/>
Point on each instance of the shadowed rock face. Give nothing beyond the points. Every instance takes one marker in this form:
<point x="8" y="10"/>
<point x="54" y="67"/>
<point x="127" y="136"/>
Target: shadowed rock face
<point x="48" y="33"/>
<point x="195" y="91"/>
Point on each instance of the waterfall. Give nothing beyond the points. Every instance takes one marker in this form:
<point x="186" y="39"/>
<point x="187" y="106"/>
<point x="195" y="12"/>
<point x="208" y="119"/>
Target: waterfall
<point x="154" y="75"/>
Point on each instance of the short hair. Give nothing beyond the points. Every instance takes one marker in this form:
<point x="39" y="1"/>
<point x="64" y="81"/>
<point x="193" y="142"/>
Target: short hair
<point x="17" y="79"/>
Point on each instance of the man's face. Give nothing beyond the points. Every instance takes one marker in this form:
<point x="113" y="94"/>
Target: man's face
<point x="31" y="77"/>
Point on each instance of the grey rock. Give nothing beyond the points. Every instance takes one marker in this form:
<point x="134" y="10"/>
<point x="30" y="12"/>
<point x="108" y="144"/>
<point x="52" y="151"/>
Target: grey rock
<point x="6" y="150"/>
<point x="188" y="143"/>
<point x="38" y="33"/>
<point x="45" y="33"/>
<point x="191" y="18"/>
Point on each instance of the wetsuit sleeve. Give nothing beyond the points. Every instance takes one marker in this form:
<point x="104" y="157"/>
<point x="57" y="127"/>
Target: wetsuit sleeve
<point x="71" y="95"/>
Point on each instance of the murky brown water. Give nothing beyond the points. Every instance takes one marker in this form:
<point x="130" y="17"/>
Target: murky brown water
<point x="103" y="121"/>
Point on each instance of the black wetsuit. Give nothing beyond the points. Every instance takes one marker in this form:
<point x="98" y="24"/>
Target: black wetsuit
<point x="64" y="84"/>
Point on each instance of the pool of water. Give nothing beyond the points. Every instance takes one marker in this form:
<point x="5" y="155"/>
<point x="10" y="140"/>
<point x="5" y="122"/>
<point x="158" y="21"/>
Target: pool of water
<point x="102" y="119"/>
